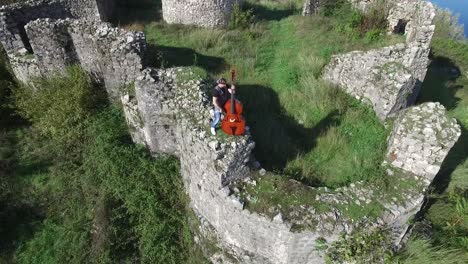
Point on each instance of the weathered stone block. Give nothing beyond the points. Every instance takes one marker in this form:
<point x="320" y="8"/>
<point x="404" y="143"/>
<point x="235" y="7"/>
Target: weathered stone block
<point x="205" y="13"/>
<point x="421" y="139"/>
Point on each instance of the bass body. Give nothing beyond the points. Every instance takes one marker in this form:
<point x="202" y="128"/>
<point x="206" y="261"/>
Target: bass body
<point x="233" y="122"/>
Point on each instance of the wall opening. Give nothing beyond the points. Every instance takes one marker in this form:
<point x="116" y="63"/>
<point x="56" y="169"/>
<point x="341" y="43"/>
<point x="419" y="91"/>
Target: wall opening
<point x="24" y="38"/>
<point x="70" y="52"/>
<point x="400" y="28"/>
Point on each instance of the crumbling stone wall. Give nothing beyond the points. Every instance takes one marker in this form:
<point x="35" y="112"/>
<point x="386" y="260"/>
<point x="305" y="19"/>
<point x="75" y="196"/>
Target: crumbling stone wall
<point x="46" y="44"/>
<point x="168" y="113"/>
<point x="389" y="78"/>
<point x="14" y="17"/>
<point x="113" y="56"/>
<point x="204" y="13"/>
<point x="411" y="17"/>
<point x="385" y="77"/>
<point x="171" y="119"/>
<point x="98" y="10"/>
<point x="421" y="139"/>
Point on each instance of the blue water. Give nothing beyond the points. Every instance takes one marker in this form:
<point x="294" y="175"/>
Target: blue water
<point x="457" y="7"/>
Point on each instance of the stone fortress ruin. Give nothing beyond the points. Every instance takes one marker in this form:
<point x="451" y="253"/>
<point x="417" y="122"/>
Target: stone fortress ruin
<point x="167" y="109"/>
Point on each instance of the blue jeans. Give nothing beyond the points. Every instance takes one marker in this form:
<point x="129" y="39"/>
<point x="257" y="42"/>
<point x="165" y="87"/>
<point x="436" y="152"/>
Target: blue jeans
<point x="217" y="117"/>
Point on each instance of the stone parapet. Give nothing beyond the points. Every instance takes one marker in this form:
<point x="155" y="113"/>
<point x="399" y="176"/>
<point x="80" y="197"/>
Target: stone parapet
<point x="421" y="139"/>
<point x="382" y="77"/>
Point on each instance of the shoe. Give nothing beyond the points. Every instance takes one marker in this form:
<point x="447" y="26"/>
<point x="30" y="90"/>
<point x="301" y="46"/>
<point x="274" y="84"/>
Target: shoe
<point x="213" y="131"/>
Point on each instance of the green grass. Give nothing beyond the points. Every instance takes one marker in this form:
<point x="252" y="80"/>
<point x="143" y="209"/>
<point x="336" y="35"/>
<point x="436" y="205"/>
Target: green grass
<point x="303" y="127"/>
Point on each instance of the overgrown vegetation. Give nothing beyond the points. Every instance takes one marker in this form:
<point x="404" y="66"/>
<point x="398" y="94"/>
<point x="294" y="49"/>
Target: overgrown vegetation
<point x="97" y="196"/>
<point x="361" y="246"/>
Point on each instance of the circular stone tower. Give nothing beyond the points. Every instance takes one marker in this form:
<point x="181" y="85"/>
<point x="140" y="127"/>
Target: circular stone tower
<point x="204" y="13"/>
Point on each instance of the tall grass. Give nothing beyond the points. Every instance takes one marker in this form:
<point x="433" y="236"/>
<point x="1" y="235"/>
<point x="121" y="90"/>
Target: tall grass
<point x="419" y="251"/>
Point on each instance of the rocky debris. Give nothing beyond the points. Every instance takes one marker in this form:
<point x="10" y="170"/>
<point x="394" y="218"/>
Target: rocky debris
<point x="362" y="5"/>
<point x="311" y="7"/>
<point x="421" y="139"/>
<point x="262" y="172"/>
<point x="205" y="13"/>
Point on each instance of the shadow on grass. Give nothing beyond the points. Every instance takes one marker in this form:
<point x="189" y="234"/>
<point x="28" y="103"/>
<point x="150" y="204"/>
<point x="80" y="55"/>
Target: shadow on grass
<point x="128" y="12"/>
<point x="441" y="86"/>
<point x="166" y="57"/>
<point x="440" y="83"/>
<point x="19" y="222"/>
<point x="279" y="137"/>
<point x="264" y="13"/>
<point x="457" y="155"/>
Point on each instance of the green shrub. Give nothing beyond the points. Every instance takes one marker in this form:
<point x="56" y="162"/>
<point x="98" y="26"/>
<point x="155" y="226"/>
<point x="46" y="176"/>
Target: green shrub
<point x="447" y="25"/>
<point x="59" y="105"/>
<point x="373" y="35"/>
<point x="419" y="251"/>
<point x="241" y="19"/>
<point x="150" y="190"/>
<point x="357" y="24"/>
<point x="361" y="246"/>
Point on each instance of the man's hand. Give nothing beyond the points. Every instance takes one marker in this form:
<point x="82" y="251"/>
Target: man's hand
<point x="233" y="89"/>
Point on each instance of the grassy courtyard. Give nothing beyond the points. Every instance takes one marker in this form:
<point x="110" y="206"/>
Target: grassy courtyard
<point x="304" y="128"/>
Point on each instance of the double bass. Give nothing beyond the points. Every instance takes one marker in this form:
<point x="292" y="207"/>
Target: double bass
<point x="233" y="122"/>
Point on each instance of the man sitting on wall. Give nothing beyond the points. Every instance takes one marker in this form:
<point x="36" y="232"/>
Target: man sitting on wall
<point x="221" y="94"/>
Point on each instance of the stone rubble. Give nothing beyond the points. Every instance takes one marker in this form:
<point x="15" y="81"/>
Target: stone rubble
<point x="311" y="7"/>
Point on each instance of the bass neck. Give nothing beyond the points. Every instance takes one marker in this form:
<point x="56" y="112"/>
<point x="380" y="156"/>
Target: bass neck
<point x="233" y="100"/>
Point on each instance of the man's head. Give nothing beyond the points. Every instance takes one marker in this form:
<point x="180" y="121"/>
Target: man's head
<point x="221" y="82"/>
